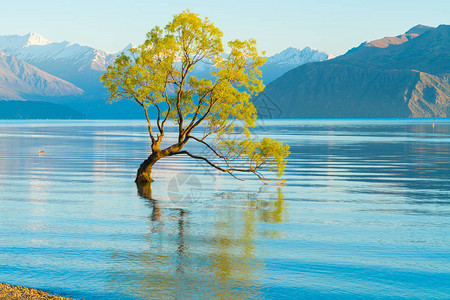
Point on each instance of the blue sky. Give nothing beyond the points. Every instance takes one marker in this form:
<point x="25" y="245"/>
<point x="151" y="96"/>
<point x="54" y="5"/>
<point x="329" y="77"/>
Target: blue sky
<point x="332" y="26"/>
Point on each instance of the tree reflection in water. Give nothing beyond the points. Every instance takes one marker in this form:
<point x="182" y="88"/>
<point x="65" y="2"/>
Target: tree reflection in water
<point x="211" y="254"/>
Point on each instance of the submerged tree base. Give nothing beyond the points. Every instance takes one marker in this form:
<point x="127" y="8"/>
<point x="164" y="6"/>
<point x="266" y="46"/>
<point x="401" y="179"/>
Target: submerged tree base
<point x="144" y="173"/>
<point x="143" y="178"/>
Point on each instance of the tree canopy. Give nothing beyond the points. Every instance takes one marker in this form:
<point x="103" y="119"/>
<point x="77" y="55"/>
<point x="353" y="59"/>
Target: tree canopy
<point x="215" y="111"/>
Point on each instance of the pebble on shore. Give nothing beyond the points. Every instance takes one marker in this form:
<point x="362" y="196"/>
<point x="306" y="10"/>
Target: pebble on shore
<point x="12" y="292"/>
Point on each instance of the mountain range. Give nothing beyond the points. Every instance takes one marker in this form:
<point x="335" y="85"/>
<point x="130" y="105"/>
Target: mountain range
<point x="402" y="76"/>
<point x="35" y="68"/>
<point x="20" y="80"/>
<point x="72" y="62"/>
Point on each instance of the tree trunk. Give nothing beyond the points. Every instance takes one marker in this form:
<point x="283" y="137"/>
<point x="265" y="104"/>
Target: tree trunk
<point x="145" y="170"/>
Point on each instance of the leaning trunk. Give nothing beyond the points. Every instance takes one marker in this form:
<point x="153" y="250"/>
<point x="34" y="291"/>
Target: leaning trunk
<point x="145" y="170"/>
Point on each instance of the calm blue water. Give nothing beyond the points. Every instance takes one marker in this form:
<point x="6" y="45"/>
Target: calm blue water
<point x="365" y="214"/>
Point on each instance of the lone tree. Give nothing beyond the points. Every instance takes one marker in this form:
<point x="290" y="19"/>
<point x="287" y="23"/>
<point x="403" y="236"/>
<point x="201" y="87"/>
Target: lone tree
<point x="215" y="111"/>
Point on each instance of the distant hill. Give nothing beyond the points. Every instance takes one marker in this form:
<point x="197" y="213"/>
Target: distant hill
<point x="419" y="29"/>
<point x="20" y="80"/>
<point x="403" y="76"/>
<point x="37" y="110"/>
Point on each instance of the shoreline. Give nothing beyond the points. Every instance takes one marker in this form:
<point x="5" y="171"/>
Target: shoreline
<point x="15" y="292"/>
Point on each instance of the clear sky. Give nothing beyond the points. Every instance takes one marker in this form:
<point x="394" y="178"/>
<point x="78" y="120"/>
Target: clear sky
<point x="331" y="26"/>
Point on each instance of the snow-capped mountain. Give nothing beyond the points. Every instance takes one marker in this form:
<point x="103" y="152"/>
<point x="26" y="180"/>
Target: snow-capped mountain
<point x="20" y="81"/>
<point x="15" y="42"/>
<point x="36" y="49"/>
<point x="81" y="65"/>
<point x="295" y="56"/>
<point x="289" y="59"/>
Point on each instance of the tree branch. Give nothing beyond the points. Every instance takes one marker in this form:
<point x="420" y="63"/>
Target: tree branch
<point x="159" y="113"/>
<point x="225" y="159"/>
<point x="207" y="161"/>
<point x="149" y="125"/>
<point x="230" y="170"/>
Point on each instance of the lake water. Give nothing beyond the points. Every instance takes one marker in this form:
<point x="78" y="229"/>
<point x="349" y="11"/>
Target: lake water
<point x="365" y="214"/>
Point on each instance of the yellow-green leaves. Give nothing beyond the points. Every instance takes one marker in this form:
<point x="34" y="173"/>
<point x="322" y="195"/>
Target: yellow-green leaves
<point x="197" y="38"/>
<point x="159" y="74"/>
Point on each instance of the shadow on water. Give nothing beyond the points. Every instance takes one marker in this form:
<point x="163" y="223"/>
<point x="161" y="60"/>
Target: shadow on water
<point x="195" y="251"/>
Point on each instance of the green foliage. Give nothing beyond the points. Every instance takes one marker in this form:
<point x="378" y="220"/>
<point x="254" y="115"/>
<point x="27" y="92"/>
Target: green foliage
<point x="158" y="74"/>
